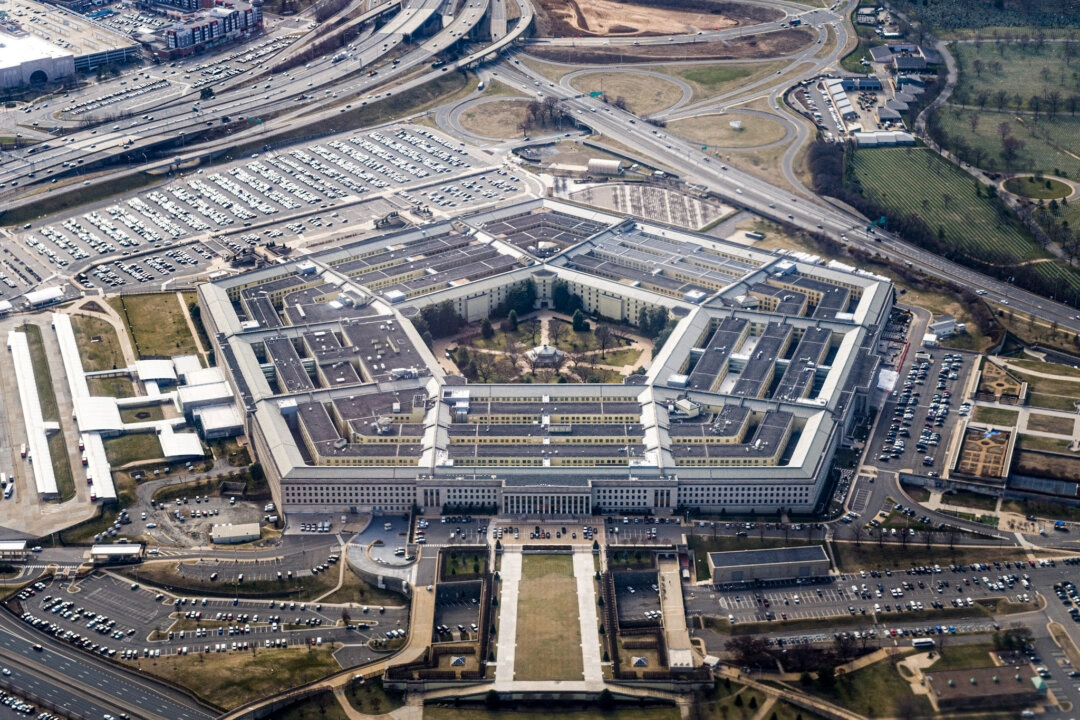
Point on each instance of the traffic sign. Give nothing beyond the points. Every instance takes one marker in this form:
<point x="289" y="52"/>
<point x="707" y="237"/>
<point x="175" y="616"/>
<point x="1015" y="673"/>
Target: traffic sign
<point x="596" y="93"/>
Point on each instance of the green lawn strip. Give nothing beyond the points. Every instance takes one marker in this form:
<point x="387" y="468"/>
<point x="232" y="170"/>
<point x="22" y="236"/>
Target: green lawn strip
<point x="549" y="631"/>
<point x="994" y="416"/>
<point x="99" y="346"/>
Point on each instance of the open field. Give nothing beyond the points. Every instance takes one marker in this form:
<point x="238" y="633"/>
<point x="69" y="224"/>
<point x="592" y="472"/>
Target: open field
<point x="1047" y="368"/>
<point x="99" y="346"/>
<point x="1048" y="510"/>
<point x="1037" y="442"/>
<point x="118" y="387"/>
<point x="231" y="679"/>
<point x="1012" y="69"/>
<point x="876" y="690"/>
<point x="498" y="119"/>
<point x="133" y="447"/>
<point x="42" y="373"/>
<point x="157" y="324"/>
<point x="549" y="632"/>
<point x="917" y="182"/>
<point x="1052" y="402"/>
<point x="1051" y="423"/>
<point x="994" y="416"/>
<point x="1032" y="187"/>
<point x="712" y="80"/>
<point x="963" y="657"/>
<point x="716" y="130"/>
<point x="1061" y="467"/>
<point x="146" y="413"/>
<point x="780" y="42"/>
<point x="868" y="554"/>
<point x="764" y="162"/>
<point x="1049" y="145"/>
<point x="970" y="499"/>
<point x="643" y="94"/>
<point x="1048" y="386"/>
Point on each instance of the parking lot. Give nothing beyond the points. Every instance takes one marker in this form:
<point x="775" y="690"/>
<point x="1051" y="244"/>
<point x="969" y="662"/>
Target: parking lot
<point x="199" y="219"/>
<point x="920" y="415"/>
<point x="879" y="594"/>
<point x="126" y="621"/>
<point x="457" y="611"/>
<point x="637" y="597"/>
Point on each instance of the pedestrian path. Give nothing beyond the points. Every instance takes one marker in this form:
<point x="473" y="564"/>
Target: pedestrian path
<point x="510" y="579"/>
<point x="586" y="594"/>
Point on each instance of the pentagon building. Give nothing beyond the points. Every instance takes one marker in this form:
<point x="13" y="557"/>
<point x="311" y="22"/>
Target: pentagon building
<point x="770" y="363"/>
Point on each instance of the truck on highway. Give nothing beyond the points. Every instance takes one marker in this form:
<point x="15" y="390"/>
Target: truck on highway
<point x="339" y="57"/>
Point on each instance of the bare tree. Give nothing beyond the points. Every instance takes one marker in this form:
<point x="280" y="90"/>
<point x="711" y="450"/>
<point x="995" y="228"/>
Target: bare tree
<point x="604" y="337"/>
<point x="556" y="330"/>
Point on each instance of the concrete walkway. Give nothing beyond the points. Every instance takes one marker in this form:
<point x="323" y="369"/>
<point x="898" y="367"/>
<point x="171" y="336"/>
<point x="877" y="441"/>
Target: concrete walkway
<point x="584" y="571"/>
<point x="510" y="579"/>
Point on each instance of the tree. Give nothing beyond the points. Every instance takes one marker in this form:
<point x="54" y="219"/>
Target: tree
<point x="486" y="330"/>
<point x="1003" y="129"/>
<point x="346" y="618"/>
<point x="604" y="336"/>
<point x="579" y="322"/>
<point x="512" y="321"/>
<point x="492" y="700"/>
<point x="556" y="329"/>
<point x="973" y="120"/>
<point x="749" y="650"/>
<point x="826" y="677"/>
<point x="1010" y="149"/>
<point x="206" y="93"/>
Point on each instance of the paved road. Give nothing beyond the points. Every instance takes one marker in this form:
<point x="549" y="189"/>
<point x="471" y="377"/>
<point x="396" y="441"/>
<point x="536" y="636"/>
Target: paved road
<point x="114" y="687"/>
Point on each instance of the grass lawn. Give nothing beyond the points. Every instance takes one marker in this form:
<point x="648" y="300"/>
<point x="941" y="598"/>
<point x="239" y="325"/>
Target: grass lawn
<point x="1014" y="69"/>
<point x="876" y="691"/>
<point x="918" y="182"/>
<point x="157" y="324"/>
<point x="1030" y="187"/>
<point x="994" y="416"/>
<point x="918" y="494"/>
<point x="371" y="698"/>
<point x="42" y="374"/>
<point x="551" y="71"/>
<point x="1047" y="368"/>
<point x="99" y="347"/>
<point x="1047" y="144"/>
<point x="323" y="705"/>
<point x="868" y="555"/>
<point x="164" y="574"/>
<point x="651" y="713"/>
<point x="711" y="80"/>
<point x="1037" y="442"/>
<point x="716" y="130"/>
<point x="1053" y="402"/>
<point x="229" y="680"/>
<point x="132" y="447"/>
<point x="1050" y="511"/>
<point x="458" y="565"/>
<point x="549" y="631"/>
<point x="355" y="590"/>
<point x="1064" y="387"/>
<point x="618" y="358"/>
<point x="742" y="703"/>
<point x="192" y="298"/>
<point x="146" y="413"/>
<point x="970" y="499"/>
<point x="963" y="657"/>
<point x="117" y="387"/>
<point x="1068" y="646"/>
<point x="498" y="119"/>
<point x="58" y="452"/>
<point x="643" y="94"/>
<point x="1051" y="424"/>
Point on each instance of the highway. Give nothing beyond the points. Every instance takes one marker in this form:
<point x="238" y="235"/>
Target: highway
<point x="66" y="674"/>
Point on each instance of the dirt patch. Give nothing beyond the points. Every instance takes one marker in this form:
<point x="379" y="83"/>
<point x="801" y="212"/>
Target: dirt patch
<point x="604" y="18"/>
<point x="498" y="119"/>
<point x="1048" y="465"/>
<point x="781" y="42"/>
<point x="982" y="454"/>
<point x="92" y="307"/>
<point x="643" y="94"/>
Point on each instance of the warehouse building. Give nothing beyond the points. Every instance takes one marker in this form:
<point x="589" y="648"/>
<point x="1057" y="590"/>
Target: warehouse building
<point x="234" y="534"/>
<point x="749" y="566"/>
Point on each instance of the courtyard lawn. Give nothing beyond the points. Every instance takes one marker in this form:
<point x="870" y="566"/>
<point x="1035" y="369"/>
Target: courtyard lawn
<point x="994" y="416"/>
<point x="117" y="387"/>
<point x="157" y="324"/>
<point x="99" y="347"/>
<point x="133" y="447"/>
<point x="548" y="632"/>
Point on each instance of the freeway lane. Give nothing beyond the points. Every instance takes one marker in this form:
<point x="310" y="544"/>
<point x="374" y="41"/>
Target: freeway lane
<point x="32" y="681"/>
<point x="70" y="667"/>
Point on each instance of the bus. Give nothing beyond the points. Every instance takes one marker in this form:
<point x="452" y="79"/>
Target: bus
<point x="923" y="644"/>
